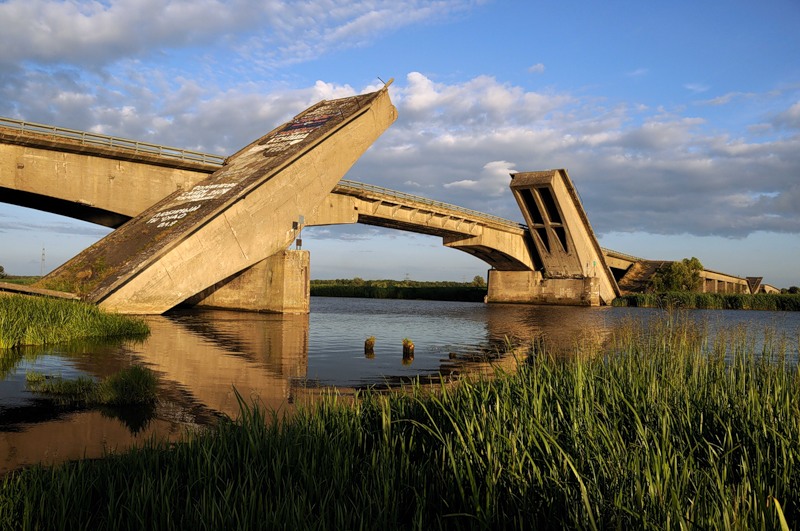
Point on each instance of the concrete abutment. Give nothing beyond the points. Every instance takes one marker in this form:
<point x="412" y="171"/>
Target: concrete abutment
<point x="530" y="287"/>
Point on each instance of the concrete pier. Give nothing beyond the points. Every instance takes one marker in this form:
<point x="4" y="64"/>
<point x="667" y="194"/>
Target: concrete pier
<point x="571" y="265"/>
<point x="279" y="284"/>
<point x="529" y="287"/>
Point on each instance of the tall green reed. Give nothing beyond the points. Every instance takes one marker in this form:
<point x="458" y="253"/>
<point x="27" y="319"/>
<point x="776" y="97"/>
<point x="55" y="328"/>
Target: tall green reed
<point x="40" y="321"/>
<point x="712" y="301"/>
<point x="665" y="429"/>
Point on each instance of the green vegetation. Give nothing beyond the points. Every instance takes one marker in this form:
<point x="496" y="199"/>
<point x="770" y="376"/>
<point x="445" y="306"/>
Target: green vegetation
<point x="712" y="301"/>
<point x="678" y="276"/>
<point x="80" y="277"/>
<point x="5" y="277"/>
<point x="40" y="321"/>
<point x="401" y="289"/>
<point x="661" y="430"/>
<point x="135" y="385"/>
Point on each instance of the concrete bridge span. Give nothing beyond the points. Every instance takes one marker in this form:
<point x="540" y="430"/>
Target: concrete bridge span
<point x="109" y="181"/>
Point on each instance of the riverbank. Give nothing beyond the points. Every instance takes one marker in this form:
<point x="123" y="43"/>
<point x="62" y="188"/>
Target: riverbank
<point x="660" y="429"/>
<point x="711" y="301"/>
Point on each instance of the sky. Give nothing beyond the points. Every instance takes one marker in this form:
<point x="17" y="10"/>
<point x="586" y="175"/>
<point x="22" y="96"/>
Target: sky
<point x="678" y="122"/>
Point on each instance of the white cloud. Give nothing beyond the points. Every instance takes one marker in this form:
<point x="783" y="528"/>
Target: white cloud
<point x="88" y="32"/>
<point x="481" y="101"/>
<point x="790" y="117"/>
<point x="95" y="34"/>
<point x="538" y="68"/>
<point x="639" y="72"/>
<point x="637" y="168"/>
<point x="727" y="98"/>
<point x="696" y="87"/>
<point x="469" y="184"/>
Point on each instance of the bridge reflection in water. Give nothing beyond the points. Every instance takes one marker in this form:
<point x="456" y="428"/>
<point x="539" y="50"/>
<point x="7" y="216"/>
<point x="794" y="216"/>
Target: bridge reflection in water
<point x="280" y="360"/>
<point x="283" y="360"/>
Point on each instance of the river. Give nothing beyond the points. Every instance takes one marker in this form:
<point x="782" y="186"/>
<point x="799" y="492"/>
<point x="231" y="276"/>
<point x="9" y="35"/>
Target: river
<point x="282" y="360"/>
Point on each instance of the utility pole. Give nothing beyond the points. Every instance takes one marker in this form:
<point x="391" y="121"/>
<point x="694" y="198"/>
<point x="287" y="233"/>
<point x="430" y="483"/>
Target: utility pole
<point x="41" y="267"/>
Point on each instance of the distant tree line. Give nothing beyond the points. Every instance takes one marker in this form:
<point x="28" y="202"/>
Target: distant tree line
<point x="782" y="302"/>
<point x="477" y="282"/>
<point x="474" y="291"/>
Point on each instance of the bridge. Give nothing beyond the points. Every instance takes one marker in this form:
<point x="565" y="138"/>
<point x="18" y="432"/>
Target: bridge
<point x="555" y="258"/>
<point x="107" y="181"/>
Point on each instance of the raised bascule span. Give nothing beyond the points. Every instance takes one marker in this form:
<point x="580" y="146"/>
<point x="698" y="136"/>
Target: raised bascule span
<point x="243" y="213"/>
<point x="207" y="230"/>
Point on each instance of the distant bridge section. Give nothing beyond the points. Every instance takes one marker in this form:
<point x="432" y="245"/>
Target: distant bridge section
<point x="501" y="243"/>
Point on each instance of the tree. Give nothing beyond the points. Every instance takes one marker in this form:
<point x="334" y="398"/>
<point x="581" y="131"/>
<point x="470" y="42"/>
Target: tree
<point x="478" y="282"/>
<point x="679" y="276"/>
<point x="793" y="289"/>
<point x="2" y="272"/>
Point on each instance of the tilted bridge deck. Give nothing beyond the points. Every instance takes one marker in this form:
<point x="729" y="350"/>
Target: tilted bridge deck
<point x="241" y="213"/>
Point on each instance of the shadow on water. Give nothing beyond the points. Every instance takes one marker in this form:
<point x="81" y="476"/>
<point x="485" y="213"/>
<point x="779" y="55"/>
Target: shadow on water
<point x="136" y="419"/>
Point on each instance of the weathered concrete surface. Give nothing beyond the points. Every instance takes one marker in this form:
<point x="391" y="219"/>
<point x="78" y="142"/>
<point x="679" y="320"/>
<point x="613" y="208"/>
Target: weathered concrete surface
<point x="529" y="287"/>
<point x="279" y="284"/>
<point x="109" y="186"/>
<point x="240" y="215"/>
<point x="563" y="238"/>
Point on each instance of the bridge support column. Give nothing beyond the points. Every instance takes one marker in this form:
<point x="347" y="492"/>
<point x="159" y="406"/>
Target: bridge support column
<point x="278" y="284"/>
<point x="531" y="288"/>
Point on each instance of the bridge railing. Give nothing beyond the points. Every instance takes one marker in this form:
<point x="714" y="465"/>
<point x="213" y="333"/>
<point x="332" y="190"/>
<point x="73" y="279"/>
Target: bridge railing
<point x="623" y="256"/>
<point x="354" y="185"/>
<point x="95" y="139"/>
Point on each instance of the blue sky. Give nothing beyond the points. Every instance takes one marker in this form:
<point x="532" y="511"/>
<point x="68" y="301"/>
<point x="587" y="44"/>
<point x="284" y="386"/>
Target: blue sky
<point x="679" y="122"/>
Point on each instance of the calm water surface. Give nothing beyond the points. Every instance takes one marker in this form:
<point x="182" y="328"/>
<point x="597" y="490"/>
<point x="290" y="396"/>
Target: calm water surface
<point x="279" y="360"/>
